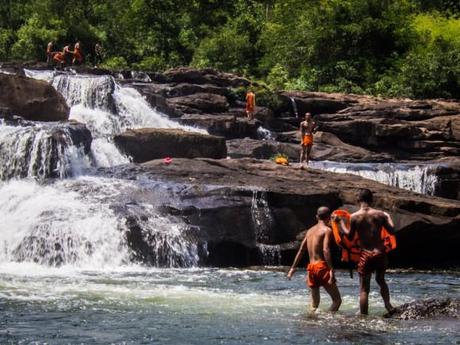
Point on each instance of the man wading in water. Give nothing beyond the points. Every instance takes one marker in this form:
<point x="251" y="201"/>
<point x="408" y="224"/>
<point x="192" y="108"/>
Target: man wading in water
<point x="307" y="128"/>
<point x="368" y="223"/>
<point x="320" y="272"/>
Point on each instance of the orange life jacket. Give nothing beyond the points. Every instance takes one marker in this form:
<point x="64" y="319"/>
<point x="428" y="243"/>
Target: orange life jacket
<point x="351" y="249"/>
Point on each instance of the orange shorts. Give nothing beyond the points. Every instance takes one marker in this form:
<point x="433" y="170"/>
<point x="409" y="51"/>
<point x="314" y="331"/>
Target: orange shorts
<point x="369" y="262"/>
<point x="307" y="140"/>
<point x="319" y="274"/>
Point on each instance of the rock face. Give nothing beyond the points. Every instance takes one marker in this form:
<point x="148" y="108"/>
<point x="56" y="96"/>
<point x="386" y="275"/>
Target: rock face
<point x="32" y="99"/>
<point x="252" y="212"/>
<point x="151" y="143"/>
<point x="428" y="309"/>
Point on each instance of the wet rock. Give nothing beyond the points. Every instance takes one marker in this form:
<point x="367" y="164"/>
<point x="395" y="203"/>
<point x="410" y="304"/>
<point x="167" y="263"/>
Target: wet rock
<point x="150" y="143"/>
<point x="245" y="203"/>
<point x="433" y="308"/>
<point x="32" y="99"/>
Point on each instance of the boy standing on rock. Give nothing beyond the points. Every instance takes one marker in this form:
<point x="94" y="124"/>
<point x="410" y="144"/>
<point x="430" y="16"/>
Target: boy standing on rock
<point x="320" y="271"/>
<point x="307" y="128"/>
<point x="250" y="104"/>
<point x="368" y="223"/>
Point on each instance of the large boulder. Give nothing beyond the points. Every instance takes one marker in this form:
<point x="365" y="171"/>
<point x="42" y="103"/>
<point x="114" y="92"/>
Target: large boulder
<point x="225" y="125"/>
<point x="244" y="206"/>
<point x="204" y="76"/>
<point x="32" y="99"/>
<point x="200" y="103"/>
<point x="151" y="143"/>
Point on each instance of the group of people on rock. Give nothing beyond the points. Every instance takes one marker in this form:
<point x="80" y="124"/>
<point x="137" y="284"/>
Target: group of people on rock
<point x="366" y="226"/>
<point x="68" y="57"/>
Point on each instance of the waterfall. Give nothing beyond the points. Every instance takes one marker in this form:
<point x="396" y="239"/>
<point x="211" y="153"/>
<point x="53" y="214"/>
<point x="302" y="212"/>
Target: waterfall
<point x="39" y="151"/>
<point x="264" y="223"/>
<point x="107" y="109"/>
<point x="294" y="106"/>
<point x="416" y="178"/>
<point x="264" y="134"/>
<point x="72" y="222"/>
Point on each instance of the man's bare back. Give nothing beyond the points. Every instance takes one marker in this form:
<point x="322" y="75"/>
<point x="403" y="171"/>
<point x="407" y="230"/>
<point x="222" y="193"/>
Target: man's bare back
<point x="368" y="222"/>
<point x="315" y="241"/>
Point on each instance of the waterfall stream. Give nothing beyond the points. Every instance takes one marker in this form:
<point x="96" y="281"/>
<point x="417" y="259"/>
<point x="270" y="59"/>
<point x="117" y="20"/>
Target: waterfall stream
<point x="55" y="212"/>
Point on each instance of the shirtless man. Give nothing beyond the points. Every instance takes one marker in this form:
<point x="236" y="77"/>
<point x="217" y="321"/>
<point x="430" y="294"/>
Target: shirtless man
<point x="320" y="272"/>
<point x="68" y="54"/>
<point x="307" y="128"/>
<point x="250" y="104"/>
<point x="49" y="52"/>
<point x="77" y="54"/>
<point x="368" y="222"/>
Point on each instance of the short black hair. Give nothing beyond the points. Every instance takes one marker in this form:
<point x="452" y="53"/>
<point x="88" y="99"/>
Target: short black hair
<point x="323" y="213"/>
<point x="365" y="195"/>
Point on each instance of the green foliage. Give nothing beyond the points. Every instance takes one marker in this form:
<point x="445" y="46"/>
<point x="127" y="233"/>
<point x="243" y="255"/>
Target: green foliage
<point x="384" y="47"/>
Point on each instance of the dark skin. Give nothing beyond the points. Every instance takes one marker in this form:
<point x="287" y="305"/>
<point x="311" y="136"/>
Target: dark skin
<point x="367" y="222"/>
<point x="308" y="126"/>
<point x="317" y="242"/>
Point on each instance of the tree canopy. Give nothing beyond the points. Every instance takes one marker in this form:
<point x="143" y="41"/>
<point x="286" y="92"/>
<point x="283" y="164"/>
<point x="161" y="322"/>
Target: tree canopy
<point x="405" y="48"/>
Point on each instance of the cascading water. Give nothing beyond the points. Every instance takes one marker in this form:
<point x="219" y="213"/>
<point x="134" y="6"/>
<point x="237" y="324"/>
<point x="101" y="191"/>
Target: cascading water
<point x="264" y="223"/>
<point x="39" y="151"/>
<point x="294" y="106"/>
<point x="73" y="222"/>
<point x="85" y="221"/>
<point x="416" y="178"/>
<point x="107" y="109"/>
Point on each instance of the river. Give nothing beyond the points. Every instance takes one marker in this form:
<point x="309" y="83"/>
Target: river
<point x="137" y="305"/>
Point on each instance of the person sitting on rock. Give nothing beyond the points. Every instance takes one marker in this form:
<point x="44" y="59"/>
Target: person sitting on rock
<point x="77" y="54"/>
<point x="367" y="222"/>
<point x="307" y="128"/>
<point x="250" y="104"/>
<point x="320" y="271"/>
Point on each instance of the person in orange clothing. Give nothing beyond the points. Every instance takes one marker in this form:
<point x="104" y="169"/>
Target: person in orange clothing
<point x="77" y="54"/>
<point x="367" y="222"/>
<point x="250" y="104"/>
<point x="320" y="271"/>
<point x="307" y="128"/>
<point x="58" y="59"/>
<point x="68" y="54"/>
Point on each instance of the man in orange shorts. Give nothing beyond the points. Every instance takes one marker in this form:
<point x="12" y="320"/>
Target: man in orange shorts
<point x="58" y="59"/>
<point x="307" y="128"/>
<point x="250" y="104"/>
<point x="320" y="271"/>
<point x="368" y="222"/>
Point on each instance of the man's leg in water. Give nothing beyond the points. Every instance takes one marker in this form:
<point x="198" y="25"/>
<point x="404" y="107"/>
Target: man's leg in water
<point x="364" y="282"/>
<point x="333" y="291"/>
<point x="384" y="291"/>
<point x="315" y="298"/>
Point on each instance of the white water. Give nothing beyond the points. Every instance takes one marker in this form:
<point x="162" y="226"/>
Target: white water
<point x="107" y="109"/>
<point x="263" y="223"/>
<point x="416" y="178"/>
<point x="38" y="151"/>
<point x="73" y="222"/>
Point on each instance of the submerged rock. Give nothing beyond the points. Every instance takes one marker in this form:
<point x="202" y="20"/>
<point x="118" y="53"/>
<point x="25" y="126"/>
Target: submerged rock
<point x="32" y="99"/>
<point x="428" y="309"/>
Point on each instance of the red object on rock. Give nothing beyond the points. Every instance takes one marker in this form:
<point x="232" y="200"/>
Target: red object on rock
<point x="167" y="160"/>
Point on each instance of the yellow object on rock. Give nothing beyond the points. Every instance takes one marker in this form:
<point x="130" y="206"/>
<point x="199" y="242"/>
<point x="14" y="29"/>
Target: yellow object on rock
<point x="281" y="161"/>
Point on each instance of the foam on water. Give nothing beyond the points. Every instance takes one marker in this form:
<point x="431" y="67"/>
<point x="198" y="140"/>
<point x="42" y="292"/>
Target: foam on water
<point x="72" y="222"/>
<point x="416" y="178"/>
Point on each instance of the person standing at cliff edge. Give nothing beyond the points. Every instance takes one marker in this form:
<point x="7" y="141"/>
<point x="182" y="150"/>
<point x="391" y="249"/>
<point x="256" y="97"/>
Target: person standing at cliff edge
<point x="250" y="104"/>
<point x="317" y="242"/>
